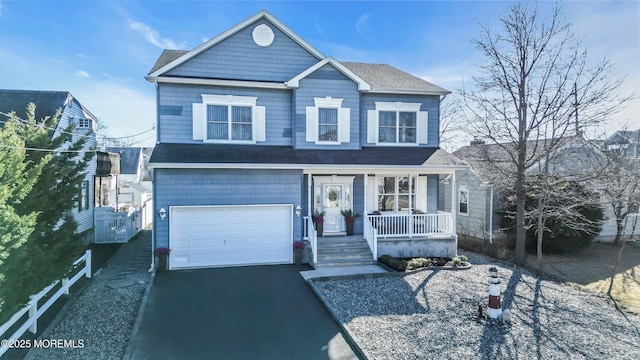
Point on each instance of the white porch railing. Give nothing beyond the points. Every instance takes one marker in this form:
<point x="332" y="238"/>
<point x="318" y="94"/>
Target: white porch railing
<point x="371" y="235"/>
<point x="310" y="233"/>
<point x="35" y="311"/>
<point x="405" y="225"/>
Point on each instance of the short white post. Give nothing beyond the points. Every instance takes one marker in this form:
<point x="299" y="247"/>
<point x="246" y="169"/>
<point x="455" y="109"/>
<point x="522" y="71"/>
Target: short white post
<point x="33" y="313"/>
<point x="65" y="285"/>
<point x="495" y="310"/>
<point x="88" y="264"/>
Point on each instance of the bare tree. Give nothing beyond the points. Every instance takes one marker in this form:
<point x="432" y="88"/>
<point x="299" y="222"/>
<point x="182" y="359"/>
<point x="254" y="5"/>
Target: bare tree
<point x="451" y="117"/>
<point x="535" y="82"/>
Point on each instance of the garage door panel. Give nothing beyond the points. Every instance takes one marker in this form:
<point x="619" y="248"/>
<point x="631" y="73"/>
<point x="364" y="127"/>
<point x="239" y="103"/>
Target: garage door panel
<point x="230" y="235"/>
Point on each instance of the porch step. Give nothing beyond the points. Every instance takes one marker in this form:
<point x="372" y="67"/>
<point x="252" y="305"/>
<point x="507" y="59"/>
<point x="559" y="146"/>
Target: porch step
<point x="343" y="251"/>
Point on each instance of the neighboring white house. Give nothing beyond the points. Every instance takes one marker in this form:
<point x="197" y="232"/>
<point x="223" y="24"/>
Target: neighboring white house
<point x="132" y="188"/>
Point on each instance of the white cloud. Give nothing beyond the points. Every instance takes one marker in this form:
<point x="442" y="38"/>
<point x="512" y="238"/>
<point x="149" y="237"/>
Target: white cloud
<point x="153" y="36"/>
<point x="82" y="73"/>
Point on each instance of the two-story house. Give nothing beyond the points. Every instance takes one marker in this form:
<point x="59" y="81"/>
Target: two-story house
<point x="257" y="130"/>
<point x="72" y="112"/>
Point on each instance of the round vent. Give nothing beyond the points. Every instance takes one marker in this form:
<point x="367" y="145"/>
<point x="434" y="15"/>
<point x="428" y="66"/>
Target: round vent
<point x="263" y="35"/>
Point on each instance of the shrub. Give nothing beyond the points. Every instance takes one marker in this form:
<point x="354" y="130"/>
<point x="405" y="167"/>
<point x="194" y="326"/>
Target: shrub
<point x="463" y="258"/>
<point x="394" y="263"/>
<point x="558" y="237"/>
<point x="417" y="263"/>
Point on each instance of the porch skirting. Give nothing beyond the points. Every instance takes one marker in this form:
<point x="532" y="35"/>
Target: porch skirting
<point x="442" y="246"/>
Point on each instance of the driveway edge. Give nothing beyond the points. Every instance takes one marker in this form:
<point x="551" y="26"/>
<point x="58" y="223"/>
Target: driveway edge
<point x="361" y="353"/>
<point x="128" y="352"/>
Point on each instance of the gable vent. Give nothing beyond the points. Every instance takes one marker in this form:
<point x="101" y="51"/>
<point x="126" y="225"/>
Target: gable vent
<point x="263" y="35"/>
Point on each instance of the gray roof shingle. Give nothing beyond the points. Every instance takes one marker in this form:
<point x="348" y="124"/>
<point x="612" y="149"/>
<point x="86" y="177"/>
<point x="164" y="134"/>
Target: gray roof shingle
<point x="245" y="154"/>
<point x="387" y="77"/>
<point x="166" y="57"/>
<point x="47" y="102"/>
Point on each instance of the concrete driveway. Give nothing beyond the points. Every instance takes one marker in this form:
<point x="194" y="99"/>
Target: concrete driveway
<point x="258" y="312"/>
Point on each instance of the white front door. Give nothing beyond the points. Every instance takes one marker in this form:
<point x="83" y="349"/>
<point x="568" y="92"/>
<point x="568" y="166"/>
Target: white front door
<point x="332" y="202"/>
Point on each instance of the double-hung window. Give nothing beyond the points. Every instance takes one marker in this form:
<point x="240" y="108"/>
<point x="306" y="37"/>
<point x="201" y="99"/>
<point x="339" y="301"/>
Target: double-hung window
<point x="463" y="201"/>
<point x="397" y="123"/>
<point x="83" y="201"/>
<point x="328" y="123"/>
<point x="228" y="122"/>
<point x="397" y="127"/>
<point x="229" y="118"/>
<point x="396" y="193"/>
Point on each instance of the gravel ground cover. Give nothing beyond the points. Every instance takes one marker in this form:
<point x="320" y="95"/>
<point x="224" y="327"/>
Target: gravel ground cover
<point x="103" y="315"/>
<point x="431" y="314"/>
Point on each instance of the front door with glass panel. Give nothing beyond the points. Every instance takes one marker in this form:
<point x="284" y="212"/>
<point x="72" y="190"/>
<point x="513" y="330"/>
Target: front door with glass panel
<point x="332" y="203"/>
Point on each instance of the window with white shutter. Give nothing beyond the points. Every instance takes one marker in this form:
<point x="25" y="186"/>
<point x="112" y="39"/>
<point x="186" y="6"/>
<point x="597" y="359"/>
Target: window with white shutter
<point x="328" y="123"/>
<point x="397" y="124"/>
<point x="229" y="118"/>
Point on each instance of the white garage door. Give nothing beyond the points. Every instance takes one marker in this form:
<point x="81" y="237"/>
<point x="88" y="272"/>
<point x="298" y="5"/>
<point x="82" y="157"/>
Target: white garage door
<point x="204" y="236"/>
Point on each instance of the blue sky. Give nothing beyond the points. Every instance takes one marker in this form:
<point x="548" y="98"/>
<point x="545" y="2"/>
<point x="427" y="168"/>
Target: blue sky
<point x="101" y="50"/>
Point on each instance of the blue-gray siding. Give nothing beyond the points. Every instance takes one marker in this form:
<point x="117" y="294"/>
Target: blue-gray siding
<point x="177" y="126"/>
<point x="192" y="187"/>
<point x="239" y="58"/>
<point x="326" y="81"/>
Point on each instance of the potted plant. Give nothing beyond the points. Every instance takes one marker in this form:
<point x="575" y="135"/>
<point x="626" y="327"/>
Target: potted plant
<point x="349" y="219"/>
<point x="162" y="254"/>
<point x="298" y="247"/>
<point x="318" y="220"/>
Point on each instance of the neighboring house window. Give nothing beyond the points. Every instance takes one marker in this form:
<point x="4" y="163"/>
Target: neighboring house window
<point x="229" y="118"/>
<point x="84" y="123"/>
<point x="463" y="201"/>
<point x="396" y="193"/>
<point x="83" y="203"/>
<point x="328" y="123"/>
<point x="397" y="123"/>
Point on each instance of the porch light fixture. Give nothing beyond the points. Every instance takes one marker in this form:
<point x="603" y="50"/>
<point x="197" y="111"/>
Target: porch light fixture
<point x="163" y="214"/>
<point x="298" y="210"/>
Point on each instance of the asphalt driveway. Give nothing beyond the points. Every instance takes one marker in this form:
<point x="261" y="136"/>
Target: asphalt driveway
<point x="258" y="312"/>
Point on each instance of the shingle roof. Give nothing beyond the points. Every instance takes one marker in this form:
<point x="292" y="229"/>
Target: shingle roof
<point x="166" y="57"/>
<point x="129" y="158"/>
<point x="387" y="77"/>
<point x="244" y="154"/>
<point x="47" y="102"/>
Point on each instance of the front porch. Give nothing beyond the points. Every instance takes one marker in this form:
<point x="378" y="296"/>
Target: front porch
<point x="396" y="234"/>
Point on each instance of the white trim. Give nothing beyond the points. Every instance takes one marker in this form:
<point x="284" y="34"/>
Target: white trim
<point x="397" y="107"/>
<point x="218" y="82"/>
<point x="343" y="126"/>
<point x="362" y="85"/>
<point x="229" y="100"/>
<point x="263" y="14"/>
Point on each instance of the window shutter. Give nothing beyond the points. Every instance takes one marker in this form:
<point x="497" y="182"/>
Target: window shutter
<point x="259" y="124"/>
<point x="423" y="125"/>
<point x="372" y="126"/>
<point x="312" y="124"/>
<point x="344" y="123"/>
<point x="198" y="121"/>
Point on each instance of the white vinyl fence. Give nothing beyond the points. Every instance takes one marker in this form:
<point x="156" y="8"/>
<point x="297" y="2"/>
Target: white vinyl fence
<point x="115" y="227"/>
<point x="34" y="311"/>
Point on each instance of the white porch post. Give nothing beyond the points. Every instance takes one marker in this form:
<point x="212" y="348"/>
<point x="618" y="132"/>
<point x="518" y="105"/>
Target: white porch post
<point x="454" y="210"/>
<point x="364" y="204"/>
<point x="309" y="213"/>
<point x="410" y="222"/>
